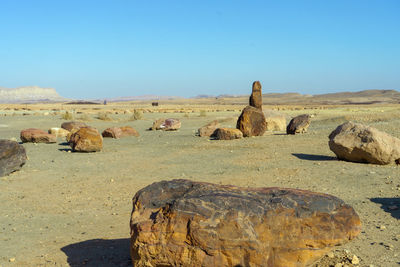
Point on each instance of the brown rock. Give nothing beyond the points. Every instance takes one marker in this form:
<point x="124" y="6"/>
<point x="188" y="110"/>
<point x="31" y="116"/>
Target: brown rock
<point x="360" y="143"/>
<point x="299" y="124"/>
<point x="256" y="95"/>
<point x="12" y="156"/>
<point x="208" y="129"/>
<point x="227" y="134"/>
<point x="118" y="132"/>
<point x="185" y="223"/>
<point x="251" y="122"/>
<point x="58" y="132"/>
<point x="170" y="125"/>
<point x="157" y="124"/>
<point x="34" y="135"/>
<point x="86" y="139"/>
<point x="70" y="125"/>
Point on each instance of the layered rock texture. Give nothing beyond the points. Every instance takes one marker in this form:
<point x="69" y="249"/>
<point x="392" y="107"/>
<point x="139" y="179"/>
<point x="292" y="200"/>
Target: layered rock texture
<point x="227" y="134"/>
<point x="86" y="139"/>
<point x="185" y="223"/>
<point x="360" y="143"/>
<point x="118" y="132"/>
<point x="299" y="124"/>
<point x="12" y="157"/>
<point x="29" y="94"/>
<point x="34" y="135"/>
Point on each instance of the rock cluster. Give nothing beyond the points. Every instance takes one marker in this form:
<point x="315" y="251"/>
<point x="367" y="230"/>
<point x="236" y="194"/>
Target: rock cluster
<point x="185" y="223"/>
<point x="360" y="143"/>
<point x="12" y="156"/>
<point x="34" y="135"/>
<point x="118" y="132"/>
<point x="299" y="124"/>
<point x="86" y="139"/>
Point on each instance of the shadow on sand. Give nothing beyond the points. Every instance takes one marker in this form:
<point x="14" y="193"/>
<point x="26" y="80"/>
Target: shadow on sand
<point x="313" y="157"/>
<point x="99" y="253"/>
<point x="390" y="204"/>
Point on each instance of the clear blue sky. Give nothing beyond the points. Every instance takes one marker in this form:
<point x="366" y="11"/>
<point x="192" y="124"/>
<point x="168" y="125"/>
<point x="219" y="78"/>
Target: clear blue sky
<point x="96" y="49"/>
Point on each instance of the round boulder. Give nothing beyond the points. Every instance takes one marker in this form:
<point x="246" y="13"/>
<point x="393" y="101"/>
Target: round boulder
<point x="86" y="139"/>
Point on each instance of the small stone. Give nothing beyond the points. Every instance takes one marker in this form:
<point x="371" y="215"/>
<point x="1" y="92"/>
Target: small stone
<point x="382" y="227"/>
<point x="11" y="260"/>
<point x="355" y="260"/>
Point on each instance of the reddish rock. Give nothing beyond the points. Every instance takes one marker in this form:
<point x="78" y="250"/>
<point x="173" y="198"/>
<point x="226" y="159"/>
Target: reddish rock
<point x="208" y="129"/>
<point x="12" y="157"/>
<point x="34" y="135"/>
<point x="118" y="132"/>
<point x="70" y="125"/>
<point x="360" y="143"/>
<point x="185" y="223"/>
<point x="227" y="134"/>
<point x="86" y="139"/>
<point x="157" y="124"/>
<point x="256" y="95"/>
<point x="251" y="122"/>
<point x="299" y="124"/>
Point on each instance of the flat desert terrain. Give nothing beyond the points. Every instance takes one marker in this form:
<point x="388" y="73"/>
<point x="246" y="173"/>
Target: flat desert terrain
<point x="73" y="209"/>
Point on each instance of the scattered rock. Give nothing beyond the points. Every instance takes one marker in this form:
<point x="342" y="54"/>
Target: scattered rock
<point x="251" y="122"/>
<point x="170" y="125"/>
<point x="12" y="157"/>
<point x="59" y="132"/>
<point x="186" y="223"/>
<point x="256" y="95"/>
<point x="86" y="139"/>
<point x="227" y="134"/>
<point x="360" y="143"/>
<point x="208" y="129"/>
<point x="34" y="135"/>
<point x="157" y="124"/>
<point x="299" y="124"/>
<point x="118" y="132"/>
<point x="275" y="121"/>
<point x="70" y="125"/>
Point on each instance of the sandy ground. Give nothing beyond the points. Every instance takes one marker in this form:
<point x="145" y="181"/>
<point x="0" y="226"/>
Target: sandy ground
<point x="73" y="209"/>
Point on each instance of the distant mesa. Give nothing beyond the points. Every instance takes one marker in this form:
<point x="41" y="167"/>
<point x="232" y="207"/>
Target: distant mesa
<point x="29" y="94"/>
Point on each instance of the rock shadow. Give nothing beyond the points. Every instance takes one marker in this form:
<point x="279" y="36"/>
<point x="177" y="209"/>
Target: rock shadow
<point x="390" y="205"/>
<point x="99" y="252"/>
<point x="313" y="157"/>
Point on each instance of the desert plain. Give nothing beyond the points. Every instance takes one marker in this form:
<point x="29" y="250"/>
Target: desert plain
<point x="73" y="209"/>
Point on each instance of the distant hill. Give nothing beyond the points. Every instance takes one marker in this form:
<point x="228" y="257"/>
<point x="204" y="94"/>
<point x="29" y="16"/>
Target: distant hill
<point x="29" y="94"/>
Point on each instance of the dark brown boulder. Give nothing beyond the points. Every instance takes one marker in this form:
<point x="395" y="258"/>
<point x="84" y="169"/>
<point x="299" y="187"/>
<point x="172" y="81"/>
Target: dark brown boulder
<point x="34" y="135"/>
<point x="227" y="134"/>
<point x="185" y="223"/>
<point x="208" y="129"/>
<point x="86" y="139"/>
<point x="12" y="157"/>
<point x="70" y="125"/>
<point x="256" y="95"/>
<point x="299" y="124"/>
<point x="251" y="122"/>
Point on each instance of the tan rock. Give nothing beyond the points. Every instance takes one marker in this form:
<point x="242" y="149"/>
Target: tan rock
<point x="59" y="132"/>
<point x="256" y="95"/>
<point x="129" y="131"/>
<point x="186" y="223"/>
<point x="34" y="135"/>
<point x="275" y="121"/>
<point x="227" y="134"/>
<point x="299" y="124"/>
<point x="166" y="125"/>
<point x="118" y="132"/>
<point x="86" y="139"/>
<point x="70" y="125"/>
<point x="251" y="122"/>
<point x="208" y="129"/>
<point x="360" y="143"/>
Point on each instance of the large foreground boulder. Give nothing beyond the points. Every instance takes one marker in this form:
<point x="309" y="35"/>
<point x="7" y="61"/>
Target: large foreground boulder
<point x="86" y="139"/>
<point x="227" y="134"/>
<point x="118" y="132"/>
<point x="34" y="135"/>
<point x="208" y="129"/>
<point x="251" y="122"/>
<point x="12" y="157"/>
<point x="185" y="223"/>
<point x="70" y="125"/>
<point x="299" y="124"/>
<point x="360" y="143"/>
<point x="256" y="95"/>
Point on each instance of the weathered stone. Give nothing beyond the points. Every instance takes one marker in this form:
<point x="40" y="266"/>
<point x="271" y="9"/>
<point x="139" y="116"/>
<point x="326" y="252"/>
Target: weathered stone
<point x="170" y="125"/>
<point x="256" y="95"/>
<point x="157" y="124"/>
<point x="58" y="132"/>
<point x="208" y="129"/>
<point x="299" y="124"/>
<point x="86" y="139"/>
<point x="70" y="125"/>
<point x="275" y="121"/>
<point x="185" y="223"/>
<point x="12" y="157"/>
<point x="251" y="122"/>
<point x="227" y="134"/>
<point x="118" y="132"/>
<point x="360" y="143"/>
<point x="34" y="135"/>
